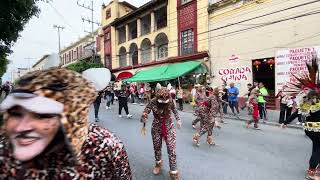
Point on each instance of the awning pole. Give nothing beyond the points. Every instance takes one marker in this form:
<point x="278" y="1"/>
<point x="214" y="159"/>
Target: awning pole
<point x="179" y="81"/>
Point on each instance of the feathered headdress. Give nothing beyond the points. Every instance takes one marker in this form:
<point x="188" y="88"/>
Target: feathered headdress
<point x="306" y="81"/>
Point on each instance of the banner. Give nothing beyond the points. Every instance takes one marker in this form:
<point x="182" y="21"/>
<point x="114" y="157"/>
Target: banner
<point x="292" y="61"/>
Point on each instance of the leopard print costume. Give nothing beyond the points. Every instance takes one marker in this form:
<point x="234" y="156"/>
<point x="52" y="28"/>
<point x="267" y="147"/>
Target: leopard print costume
<point x="162" y="126"/>
<point x="84" y="151"/>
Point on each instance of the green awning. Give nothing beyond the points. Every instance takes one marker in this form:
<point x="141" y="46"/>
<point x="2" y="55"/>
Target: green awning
<point x="168" y="72"/>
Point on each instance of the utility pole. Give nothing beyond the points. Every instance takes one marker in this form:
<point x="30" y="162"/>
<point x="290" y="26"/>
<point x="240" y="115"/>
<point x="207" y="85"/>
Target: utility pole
<point x="58" y="28"/>
<point x="92" y="22"/>
<point x="29" y="65"/>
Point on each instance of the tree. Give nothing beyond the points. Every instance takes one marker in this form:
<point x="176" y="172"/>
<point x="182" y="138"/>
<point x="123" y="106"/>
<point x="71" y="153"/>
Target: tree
<point x="14" y="15"/>
<point x="83" y="65"/>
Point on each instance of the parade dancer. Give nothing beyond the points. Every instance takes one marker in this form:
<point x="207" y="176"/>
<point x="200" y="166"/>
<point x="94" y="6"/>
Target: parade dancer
<point x="311" y="109"/>
<point x="163" y="129"/>
<point x="123" y="101"/>
<point x="200" y="97"/>
<point x="211" y="108"/>
<point x="253" y="105"/>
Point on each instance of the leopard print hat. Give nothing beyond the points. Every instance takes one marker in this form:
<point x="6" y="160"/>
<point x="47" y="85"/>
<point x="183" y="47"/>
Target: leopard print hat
<point x="73" y="91"/>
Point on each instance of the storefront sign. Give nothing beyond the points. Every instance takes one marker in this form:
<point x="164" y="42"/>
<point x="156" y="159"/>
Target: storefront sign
<point x="234" y="59"/>
<point x="235" y="74"/>
<point x="291" y="62"/>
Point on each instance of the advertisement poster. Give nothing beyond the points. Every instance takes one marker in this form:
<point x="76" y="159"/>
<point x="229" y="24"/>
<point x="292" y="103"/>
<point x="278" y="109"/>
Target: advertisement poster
<point x="291" y="62"/>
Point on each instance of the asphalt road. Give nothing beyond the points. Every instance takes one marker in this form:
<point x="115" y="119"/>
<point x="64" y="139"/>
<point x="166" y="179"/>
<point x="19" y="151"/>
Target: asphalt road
<point x="240" y="154"/>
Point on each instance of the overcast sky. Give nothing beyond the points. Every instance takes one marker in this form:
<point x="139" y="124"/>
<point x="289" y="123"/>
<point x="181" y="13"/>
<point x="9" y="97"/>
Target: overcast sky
<point x="40" y="38"/>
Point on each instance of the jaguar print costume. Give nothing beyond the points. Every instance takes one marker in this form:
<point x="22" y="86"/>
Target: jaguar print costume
<point x="79" y="150"/>
<point x="163" y="127"/>
<point x="210" y="110"/>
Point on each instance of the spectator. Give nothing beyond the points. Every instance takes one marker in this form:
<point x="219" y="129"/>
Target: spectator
<point x="148" y="92"/>
<point x="132" y="93"/>
<point x="180" y="98"/>
<point x="141" y="94"/>
<point x="250" y="88"/>
<point x="285" y="106"/>
<point x="263" y="92"/>
<point x="193" y="94"/>
<point x="225" y="98"/>
<point x="233" y="93"/>
<point x="6" y="88"/>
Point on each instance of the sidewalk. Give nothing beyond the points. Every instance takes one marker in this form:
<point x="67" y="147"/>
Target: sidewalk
<point x="272" y="115"/>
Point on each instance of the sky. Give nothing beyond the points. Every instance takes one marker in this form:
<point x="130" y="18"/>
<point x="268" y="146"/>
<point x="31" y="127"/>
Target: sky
<point x="40" y="38"/>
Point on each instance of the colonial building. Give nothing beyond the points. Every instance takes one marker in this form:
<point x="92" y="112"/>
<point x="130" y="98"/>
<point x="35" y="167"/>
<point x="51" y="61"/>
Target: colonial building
<point x="249" y="39"/>
<point x="46" y="62"/>
<point x="158" y="32"/>
<point x="82" y="49"/>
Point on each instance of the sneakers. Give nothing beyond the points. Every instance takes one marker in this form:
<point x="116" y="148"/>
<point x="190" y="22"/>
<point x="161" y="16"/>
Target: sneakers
<point x="298" y="123"/>
<point x="96" y="119"/>
<point x="157" y="168"/>
<point x="120" y="116"/>
<point x="195" y="139"/>
<point x="174" y="175"/>
<point x="256" y="126"/>
<point x="193" y="126"/>
<point x="129" y="116"/>
<point x="108" y="107"/>
<point x="210" y="141"/>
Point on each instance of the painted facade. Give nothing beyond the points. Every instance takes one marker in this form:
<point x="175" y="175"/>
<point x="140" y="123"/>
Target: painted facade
<point x="245" y="31"/>
<point x="79" y="50"/>
<point x="158" y="32"/>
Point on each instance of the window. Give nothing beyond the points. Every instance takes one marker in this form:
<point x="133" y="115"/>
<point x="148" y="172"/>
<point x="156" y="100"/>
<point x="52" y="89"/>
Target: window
<point x="133" y="31"/>
<point x="161" y="18"/>
<point x="107" y="36"/>
<point x="108" y="13"/>
<point x="187" y="42"/>
<point x="145" y="24"/>
<point x="185" y="1"/>
<point x="122" y="34"/>
<point x="163" y="51"/>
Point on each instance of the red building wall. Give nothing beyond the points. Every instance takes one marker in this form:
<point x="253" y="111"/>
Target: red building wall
<point x="107" y="47"/>
<point x="187" y="19"/>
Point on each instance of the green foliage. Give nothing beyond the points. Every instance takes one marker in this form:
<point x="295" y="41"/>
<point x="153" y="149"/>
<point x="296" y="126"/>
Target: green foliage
<point x="83" y="65"/>
<point x="14" y="15"/>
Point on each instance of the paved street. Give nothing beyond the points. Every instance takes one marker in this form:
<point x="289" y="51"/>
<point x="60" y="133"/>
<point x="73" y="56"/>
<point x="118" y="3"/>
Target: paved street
<point x="240" y="154"/>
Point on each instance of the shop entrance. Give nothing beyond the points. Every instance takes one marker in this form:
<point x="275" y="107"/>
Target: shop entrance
<point x="263" y="71"/>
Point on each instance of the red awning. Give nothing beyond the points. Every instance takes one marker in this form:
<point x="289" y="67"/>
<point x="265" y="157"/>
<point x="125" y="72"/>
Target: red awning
<point x="124" y="75"/>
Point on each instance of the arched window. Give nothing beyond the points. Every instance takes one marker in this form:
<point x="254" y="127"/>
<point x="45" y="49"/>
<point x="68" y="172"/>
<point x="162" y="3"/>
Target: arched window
<point x="133" y="54"/>
<point x="161" y="43"/>
<point x="145" y="51"/>
<point x="122" y="57"/>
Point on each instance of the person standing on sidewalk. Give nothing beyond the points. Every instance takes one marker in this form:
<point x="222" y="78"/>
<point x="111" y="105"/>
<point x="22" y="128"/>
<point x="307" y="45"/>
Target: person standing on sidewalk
<point x="193" y="96"/>
<point x="123" y="100"/>
<point x="225" y="98"/>
<point x="233" y="93"/>
<point x="163" y="130"/>
<point x="132" y="93"/>
<point x="263" y="92"/>
<point x="180" y="98"/>
<point x="141" y="94"/>
<point x="285" y="110"/>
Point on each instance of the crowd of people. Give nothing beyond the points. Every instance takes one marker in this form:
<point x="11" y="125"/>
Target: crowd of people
<point x="47" y="134"/>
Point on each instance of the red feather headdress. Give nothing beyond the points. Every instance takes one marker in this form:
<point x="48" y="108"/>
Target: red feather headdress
<point x="306" y="81"/>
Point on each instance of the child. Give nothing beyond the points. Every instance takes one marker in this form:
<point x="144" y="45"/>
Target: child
<point x="253" y="103"/>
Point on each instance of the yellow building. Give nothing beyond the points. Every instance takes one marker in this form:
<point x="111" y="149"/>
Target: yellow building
<point x="247" y="35"/>
<point x="158" y="32"/>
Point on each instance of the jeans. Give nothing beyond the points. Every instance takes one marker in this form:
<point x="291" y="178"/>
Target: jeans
<point x="180" y="101"/>
<point x="109" y="100"/>
<point x="96" y="106"/>
<point x="225" y="108"/>
<point x="262" y="111"/>
<point x="132" y="97"/>
<point x="294" y="116"/>
<point x="234" y="104"/>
